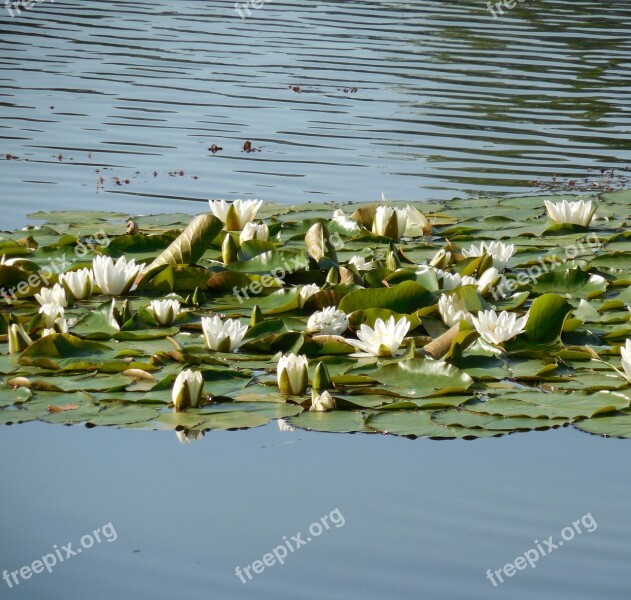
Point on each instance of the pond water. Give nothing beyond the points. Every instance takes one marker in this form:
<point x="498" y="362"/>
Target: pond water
<point x="449" y="102"/>
<point x="421" y="519"/>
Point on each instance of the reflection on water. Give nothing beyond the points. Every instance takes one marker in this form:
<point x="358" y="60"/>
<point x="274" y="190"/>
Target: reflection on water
<point x="448" y="100"/>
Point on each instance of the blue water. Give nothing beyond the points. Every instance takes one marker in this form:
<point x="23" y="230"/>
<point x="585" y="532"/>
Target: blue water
<point x="422" y="519"/>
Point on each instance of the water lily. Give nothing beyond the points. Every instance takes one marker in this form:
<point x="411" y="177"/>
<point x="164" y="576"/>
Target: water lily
<point x="51" y="312"/>
<point x="417" y="221"/>
<point x="497" y="328"/>
<point x="361" y="264"/>
<point x="18" y="339"/>
<point x="292" y="374"/>
<point x="390" y="222"/>
<point x="501" y="253"/>
<point x="165" y="311"/>
<point x="54" y="295"/>
<point x="254" y="231"/>
<point x="223" y="336"/>
<point x="453" y="310"/>
<point x="322" y="402"/>
<point x="441" y="260"/>
<point x="237" y="214"/>
<point x="571" y="213"/>
<point x="306" y="291"/>
<point x="449" y="281"/>
<point x="59" y="326"/>
<point x="385" y="339"/>
<point x="115" y="278"/>
<point x="187" y="389"/>
<point x="488" y="279"/>
<point x="78" y="283"/>
<point x="625" y="355"/>
<point x="329" y="321"/>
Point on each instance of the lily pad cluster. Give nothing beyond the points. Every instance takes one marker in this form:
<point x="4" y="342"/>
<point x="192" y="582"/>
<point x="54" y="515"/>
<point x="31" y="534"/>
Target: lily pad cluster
<point x="460" y="319"/>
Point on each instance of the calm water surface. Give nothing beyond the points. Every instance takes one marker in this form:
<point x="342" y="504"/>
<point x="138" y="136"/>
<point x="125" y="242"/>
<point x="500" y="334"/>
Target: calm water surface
<point x="449" y="102"/>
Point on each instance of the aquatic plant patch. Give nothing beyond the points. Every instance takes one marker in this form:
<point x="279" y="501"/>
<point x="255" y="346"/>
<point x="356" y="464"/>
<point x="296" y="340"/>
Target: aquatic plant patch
<point x="458" y="319"/>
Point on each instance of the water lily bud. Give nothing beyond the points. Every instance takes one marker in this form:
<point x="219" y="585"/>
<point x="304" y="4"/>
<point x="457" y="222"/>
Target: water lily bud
<point x="19" y="382"/>
<point x="333" y="276"/>
<point x="229" y="250"/>
<point x="390" y="222"/>
<point x="18" y="339"/>
<point x="322" y="402"/>
<point x="257" y="316"/>
<point x="441" y="260"/>
<point x="165" y="311"/>
<point x="78" y="284"/>
<point x="322" y="379"/>
<point x="292" y="374"/>
<point x="187" y="389"/>
<point x="197" y="299"/>
<point x="392" y="261"/>
<point x="126" y="312"/>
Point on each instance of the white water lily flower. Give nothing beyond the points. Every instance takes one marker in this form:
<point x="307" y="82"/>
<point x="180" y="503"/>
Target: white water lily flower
<point x="223" y="336"/>
<point x="453" y="310"/>
<point x="597" y="279"/>
<point x="187" y="389"/>
<point x="237" y="214"/>
<point x="449" y="281"/>
<point x="501" y="253"/>
<point x="385" y="339"/>
<point x="59" y="326"/>
<point x="115" y="278"/>
<point x="345" y="221"/>
<point x="254" y="231"/>
<point x="329" y="321"/>
<point x="390" y="222"/>
<point x="322" y="402"/>
<point x="306" y="291"/>
<point x="441" y="260"/>
<point x="186" y="436"/>
<point x="625" y="355"/>
<point x="292" y="374"/>
<point x="361" y="264"/>
<point x="165" y="311"/>
<point x="78" y="283"/>
<point x="54" y="295"/>
<point x="417" y="221"/>
<point x="51" y="313"/>
<point x="497" y="328"/>
<point x="572" y="213"/>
